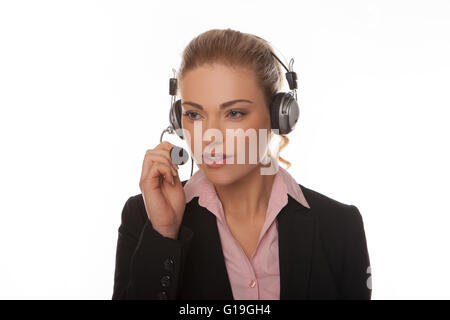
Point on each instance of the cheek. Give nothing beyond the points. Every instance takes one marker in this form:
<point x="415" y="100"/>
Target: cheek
<point x="258" y="130"/>
<point x="245" y="147"/>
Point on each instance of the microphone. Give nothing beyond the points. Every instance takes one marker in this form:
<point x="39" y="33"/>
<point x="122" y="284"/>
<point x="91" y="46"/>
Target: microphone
<point x="178" y="155"/>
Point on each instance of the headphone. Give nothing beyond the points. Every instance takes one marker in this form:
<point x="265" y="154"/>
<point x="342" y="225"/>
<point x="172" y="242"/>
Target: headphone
<point x="284" y="110"/>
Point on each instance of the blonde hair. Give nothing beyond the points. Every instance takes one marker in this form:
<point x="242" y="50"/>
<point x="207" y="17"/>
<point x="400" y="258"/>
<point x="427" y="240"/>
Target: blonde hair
<point x="284" y="141"/>
<point x="237" y="49"/>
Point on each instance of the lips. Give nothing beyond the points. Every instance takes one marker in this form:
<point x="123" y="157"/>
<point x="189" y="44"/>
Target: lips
<point x="215" y="157"/>
<point x="219" y="155"/>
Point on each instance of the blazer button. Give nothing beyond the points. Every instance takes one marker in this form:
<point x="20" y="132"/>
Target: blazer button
<point x="162" y="295"/>
<point x="165" y="281"/>
<point x="168" y="264"/>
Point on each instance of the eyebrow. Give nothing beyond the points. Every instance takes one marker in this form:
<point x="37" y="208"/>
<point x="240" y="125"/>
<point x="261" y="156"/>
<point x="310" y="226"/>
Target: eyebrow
<point x="222" y="105"/>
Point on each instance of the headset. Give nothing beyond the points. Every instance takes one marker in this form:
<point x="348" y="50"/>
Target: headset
<point x="284" y="111"/>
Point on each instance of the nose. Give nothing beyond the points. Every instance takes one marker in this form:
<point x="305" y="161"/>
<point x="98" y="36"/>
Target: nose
<point x="213" y="134"/>
<point x="214" y="128"/>
<point x="213" y="123"/>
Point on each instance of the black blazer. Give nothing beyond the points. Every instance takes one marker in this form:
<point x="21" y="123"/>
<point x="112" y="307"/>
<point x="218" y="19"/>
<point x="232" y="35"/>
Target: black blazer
<point x="322" y="253"/>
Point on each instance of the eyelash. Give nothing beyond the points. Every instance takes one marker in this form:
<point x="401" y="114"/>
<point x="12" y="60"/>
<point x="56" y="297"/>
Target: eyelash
<point x="187" y="114"/>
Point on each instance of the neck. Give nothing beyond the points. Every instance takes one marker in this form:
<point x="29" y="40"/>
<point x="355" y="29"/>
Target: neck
<point x="248" y="197"/>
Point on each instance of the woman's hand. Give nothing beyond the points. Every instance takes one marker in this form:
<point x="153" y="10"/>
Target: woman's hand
<point x="164" y="202"/>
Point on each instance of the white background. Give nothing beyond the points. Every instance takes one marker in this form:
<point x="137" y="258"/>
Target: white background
<point x="84" y="93"/>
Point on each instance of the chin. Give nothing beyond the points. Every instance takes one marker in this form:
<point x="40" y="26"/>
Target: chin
<point x="226" y="175"/>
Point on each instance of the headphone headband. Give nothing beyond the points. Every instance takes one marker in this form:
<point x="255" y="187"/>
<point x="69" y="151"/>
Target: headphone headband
<point x="284" y="110"/>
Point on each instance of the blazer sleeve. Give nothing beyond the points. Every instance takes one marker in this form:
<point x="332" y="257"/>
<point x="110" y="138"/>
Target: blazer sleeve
<point x="356" y="281"/>
<point x="148" y="265"/>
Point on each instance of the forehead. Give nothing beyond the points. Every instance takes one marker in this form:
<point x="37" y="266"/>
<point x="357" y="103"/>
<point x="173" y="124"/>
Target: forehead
<point x="218" y="83"/>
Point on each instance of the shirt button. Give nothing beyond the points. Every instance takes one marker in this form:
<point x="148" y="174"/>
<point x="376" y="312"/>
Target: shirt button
<point x="252" y="283"/>
<point x="168" y="264"/>
<point x="165" y="281"/>
<point x="162" y="295"/>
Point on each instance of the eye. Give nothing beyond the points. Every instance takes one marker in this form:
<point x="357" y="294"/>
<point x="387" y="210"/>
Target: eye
<point x="191" y="115"/>
<point x="236" y="114"/>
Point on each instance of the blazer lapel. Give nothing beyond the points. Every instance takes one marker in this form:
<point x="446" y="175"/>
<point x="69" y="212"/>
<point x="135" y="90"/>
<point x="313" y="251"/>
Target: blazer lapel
<point x="295" y="240"/>
<point x="215" y="283"/>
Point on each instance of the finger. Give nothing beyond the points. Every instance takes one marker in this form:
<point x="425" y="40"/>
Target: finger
<point x="163" y="153"/>
<point x="146" y="166"/>
<point x="160" y="169"/>
<point x="161" y="159"/>
<point x="165" y="145"/>
<point x="147" y="162"/>
<point x="165" y="170"/>
<point x="150" y="154"/>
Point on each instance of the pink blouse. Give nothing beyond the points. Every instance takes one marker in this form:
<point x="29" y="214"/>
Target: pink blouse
<point x="259" y="277"/>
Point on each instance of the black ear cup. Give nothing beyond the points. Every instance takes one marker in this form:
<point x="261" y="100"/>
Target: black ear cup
<point x="284" y="112"/>
<point x="175" y="118"/>
<point x="275" y="110"/>
<point x="292" y="111"/>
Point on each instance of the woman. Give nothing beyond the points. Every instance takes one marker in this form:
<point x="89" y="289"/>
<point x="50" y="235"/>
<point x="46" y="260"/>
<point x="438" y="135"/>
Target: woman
<point x="231" y="232"/>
